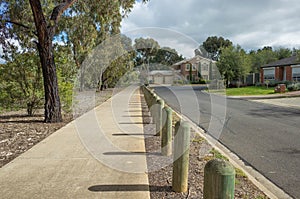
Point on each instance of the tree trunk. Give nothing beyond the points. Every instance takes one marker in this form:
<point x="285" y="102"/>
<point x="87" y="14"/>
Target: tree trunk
<point x="45" y="48"/>
<point x="52" y="100"/>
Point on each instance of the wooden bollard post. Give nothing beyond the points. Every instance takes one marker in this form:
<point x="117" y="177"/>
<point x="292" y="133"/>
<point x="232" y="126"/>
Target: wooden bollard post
<point x="147" y="96"/>
<point x="219" y="177"/>
<point x="152" y="107"/>
<point x="181" y="157"/>
<point x="160" y="106"/>
<point x="166" y="138"/>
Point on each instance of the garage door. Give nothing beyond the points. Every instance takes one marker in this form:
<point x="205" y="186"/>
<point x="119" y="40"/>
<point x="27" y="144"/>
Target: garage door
<point x="168" y="80"/>
<point x="158" y="79"/>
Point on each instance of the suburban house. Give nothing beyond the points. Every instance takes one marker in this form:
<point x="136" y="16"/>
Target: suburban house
<point x="287" y="69"/>
<point x="161" y="77"/>
<point x="195" y="68"/>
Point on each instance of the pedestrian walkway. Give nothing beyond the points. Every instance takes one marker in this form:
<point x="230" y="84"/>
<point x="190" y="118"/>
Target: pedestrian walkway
<point x="99" y="155"/>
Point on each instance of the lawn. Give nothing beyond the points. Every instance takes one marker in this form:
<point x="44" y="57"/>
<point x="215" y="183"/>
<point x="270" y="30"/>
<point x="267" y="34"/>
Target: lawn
<point x="250" y="90"/>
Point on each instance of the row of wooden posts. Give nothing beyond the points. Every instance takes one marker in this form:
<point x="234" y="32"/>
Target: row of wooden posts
<point x="219" y="175"/>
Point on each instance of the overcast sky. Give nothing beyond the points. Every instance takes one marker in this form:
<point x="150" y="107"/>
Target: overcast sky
<point x="249" y="23"/>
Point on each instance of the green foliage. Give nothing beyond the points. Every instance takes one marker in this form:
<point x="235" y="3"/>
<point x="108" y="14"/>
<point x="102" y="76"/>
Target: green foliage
<point x="21" y="83"/>
<point x="80" y="25"/>
<point x="282" y="53"/>
<point x="179" y="82"/>
<point x="166" y="56"/>
<point x="66" y="73"/>
<point x="218" y="155"/>
<point x="128" y="78"/>
<point x="240" y="173"/>
<point x="65" y="93"/>
<point x="266" y="55"/>
<point x="145" y="48"/>
<point x="213" y="45"/>
<point x="234" y="64"/>
<point x="198" y="139"/>
<point x="294" y="87"/>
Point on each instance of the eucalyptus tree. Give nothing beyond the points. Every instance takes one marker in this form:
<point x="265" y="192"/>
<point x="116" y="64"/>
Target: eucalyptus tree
<point x="38" y="22"/>
<point x="146" y="48"/>
<point x="167" y="56"/>
<point x="213" y="45"/>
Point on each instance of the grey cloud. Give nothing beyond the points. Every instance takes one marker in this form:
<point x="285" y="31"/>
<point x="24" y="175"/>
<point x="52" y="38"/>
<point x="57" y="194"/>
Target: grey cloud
<point x="245" y="22"/>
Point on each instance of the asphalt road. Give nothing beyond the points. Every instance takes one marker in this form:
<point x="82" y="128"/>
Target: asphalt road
<point x="267" y="137"/>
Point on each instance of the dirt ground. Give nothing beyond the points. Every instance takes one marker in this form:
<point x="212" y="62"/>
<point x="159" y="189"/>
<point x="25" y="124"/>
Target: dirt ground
<point x="19" y="132"/>
<point x="160" y="179"/>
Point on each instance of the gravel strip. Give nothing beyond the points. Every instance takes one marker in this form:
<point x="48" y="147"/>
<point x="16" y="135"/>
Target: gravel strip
<point x="160" y="179"/>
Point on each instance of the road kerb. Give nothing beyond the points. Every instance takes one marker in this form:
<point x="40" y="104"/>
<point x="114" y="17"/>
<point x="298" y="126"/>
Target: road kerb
<point x="264" y="184"/>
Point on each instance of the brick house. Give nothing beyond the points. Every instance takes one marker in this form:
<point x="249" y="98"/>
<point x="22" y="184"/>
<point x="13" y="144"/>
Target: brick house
<point x="195" y="68"/>
<point x="287" y="69"/>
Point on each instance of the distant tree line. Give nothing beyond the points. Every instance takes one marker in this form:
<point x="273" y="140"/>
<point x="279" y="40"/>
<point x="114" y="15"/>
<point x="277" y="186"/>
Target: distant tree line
<point x="234" y="63"/>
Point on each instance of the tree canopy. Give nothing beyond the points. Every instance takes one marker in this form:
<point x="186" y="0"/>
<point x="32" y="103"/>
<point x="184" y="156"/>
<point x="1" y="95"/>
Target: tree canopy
<point x="37" y="24"/>
<point x="234" y="64"/>
<point x="149" y="51"/>
<point x="213" y="46"/>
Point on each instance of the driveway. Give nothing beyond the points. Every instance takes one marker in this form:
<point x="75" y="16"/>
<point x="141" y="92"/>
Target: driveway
<point x="293" y="102"/>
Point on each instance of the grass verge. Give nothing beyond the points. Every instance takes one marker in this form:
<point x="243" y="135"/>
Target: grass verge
<point x="250" y="90"/>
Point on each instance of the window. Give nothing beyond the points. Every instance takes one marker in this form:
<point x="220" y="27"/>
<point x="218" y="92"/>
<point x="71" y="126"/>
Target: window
<point x="296" y="73"/>
<point x="205" y="67"/>
<point x="269" y="73"/>
<point x="187" y="67"/>
<point x="194" y="67"/>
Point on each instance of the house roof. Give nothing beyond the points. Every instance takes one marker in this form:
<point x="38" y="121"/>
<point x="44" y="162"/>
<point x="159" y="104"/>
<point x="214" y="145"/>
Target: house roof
<point x="161" y="72"/>
<point x="197" y="57"/>
<point x="283" y="62"/>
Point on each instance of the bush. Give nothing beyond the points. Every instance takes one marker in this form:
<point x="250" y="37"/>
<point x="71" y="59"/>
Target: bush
<point x="274" y="83"/>
<point x="202" y="81"/>
<point x="287" y="83"/>
<point x="294" y="87"/>
<point x="21" y="83"/>
<point x="180" y="81"/>
<point x="258" y="84"/>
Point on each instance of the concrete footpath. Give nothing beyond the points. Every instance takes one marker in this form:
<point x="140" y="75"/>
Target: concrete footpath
<point x="99" y="155"/>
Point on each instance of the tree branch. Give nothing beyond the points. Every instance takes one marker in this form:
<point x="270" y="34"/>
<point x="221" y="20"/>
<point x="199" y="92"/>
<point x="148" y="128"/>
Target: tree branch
<point x="59" y="10"/>
<point x="21" y="25"/>
<point x="17" y="23"/>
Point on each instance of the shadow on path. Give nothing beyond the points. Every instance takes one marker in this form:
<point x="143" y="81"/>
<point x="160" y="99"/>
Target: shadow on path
<point x="133" y="187"/>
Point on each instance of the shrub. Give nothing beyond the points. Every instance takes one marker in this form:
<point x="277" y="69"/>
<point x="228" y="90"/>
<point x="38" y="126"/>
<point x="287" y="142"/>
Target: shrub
<point x="258" y="84"/>
<point x="294" y="87"/>
<point x="180" y="81"/>
<point x="21" y="83"/>
<point x="287" y="83"/>
<point x="273" y="83"/>
<point x="200" y="81"/>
